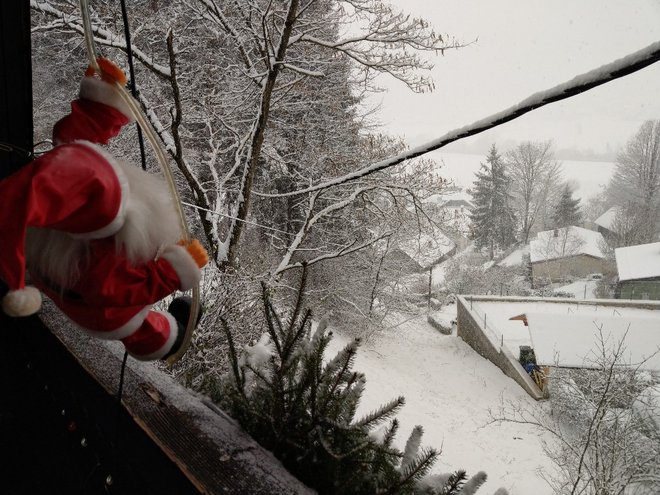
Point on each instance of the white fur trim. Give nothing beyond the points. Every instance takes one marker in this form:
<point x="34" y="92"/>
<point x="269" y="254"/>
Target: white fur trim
<point x="123" y="331"/>
<point x="185" y="267"/>
<point x="160" y="353"/>
<point x="95" y="89"/>
<point x="22" y="302"/>
<point x="117" y="223"/>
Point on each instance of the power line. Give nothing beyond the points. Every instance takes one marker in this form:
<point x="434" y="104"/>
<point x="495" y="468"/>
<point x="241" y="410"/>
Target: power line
<point x="265" y="227"/>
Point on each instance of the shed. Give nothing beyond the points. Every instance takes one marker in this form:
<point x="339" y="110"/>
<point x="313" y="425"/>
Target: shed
<point x="638" y="268"/>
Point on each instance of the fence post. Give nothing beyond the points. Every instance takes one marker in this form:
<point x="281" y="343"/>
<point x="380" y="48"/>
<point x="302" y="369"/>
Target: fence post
<point x="428" y="306"/>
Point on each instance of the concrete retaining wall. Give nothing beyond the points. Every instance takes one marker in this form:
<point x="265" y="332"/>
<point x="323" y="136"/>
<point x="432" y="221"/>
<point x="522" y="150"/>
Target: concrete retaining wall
<point x="471" y="331"/>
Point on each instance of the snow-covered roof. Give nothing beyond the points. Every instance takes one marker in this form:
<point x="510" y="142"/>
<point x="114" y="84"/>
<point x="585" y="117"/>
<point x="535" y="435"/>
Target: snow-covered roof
<point x="565" y="242"/>
<point x="636" y="262"/>
<point x="574" y="340"/>
<point x="457" y="203"/>
<point x="426" y="249"/>
<point x="451" y="196"/>
<point x="607" y="219"/>
<point x="516" y="258"/>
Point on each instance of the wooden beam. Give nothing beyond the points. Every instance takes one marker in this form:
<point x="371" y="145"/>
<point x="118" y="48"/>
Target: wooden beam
<point x="16" y="134"/>
<point x="206" y="444"/>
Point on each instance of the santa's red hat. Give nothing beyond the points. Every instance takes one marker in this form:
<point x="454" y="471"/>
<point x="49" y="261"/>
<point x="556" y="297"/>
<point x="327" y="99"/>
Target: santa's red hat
<point x="77" y="188"/>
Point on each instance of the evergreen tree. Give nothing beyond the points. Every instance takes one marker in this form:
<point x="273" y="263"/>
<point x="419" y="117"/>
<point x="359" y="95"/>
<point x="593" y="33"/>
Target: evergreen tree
<point x="493" y="219"/>
<point x="567" y="212"/>
<point x="302" y="407"/>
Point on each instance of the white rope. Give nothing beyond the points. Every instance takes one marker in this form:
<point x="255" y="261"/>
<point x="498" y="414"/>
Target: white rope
<point x="161" y="158"/>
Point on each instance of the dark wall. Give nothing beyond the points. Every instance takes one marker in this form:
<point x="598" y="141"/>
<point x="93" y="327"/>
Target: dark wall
<point x="61" y="433"/>
<point x="647" y="289"/>
<point x="15" y="86"/>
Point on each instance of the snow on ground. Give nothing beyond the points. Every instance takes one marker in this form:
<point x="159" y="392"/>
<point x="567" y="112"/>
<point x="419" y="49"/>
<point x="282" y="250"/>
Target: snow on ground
<point x="439" y="270"/>
<point x="581" y="289"/>
<point x="449" y="390"/>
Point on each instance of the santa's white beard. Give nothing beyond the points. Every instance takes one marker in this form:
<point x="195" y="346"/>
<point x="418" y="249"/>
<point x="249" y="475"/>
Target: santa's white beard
<point x="150" y="223"/>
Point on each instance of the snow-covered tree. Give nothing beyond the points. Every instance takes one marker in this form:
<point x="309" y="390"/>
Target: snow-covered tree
<point x="635" y="185"/>
<point x="300" y="404"/>
<point x="493" y="219"/>
<point x="536" y="184"/>
<point x="606" y="423"/>
<point x="567" y="211"/>
<point x="257" y="98"/>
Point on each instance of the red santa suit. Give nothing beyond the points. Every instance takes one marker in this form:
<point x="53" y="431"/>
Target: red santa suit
<point x="80" y="189"/>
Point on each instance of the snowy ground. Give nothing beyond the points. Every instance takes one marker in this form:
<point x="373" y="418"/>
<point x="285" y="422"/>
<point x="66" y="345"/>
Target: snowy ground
<point x="449" y="390"/>
<point x="581" y="289"/>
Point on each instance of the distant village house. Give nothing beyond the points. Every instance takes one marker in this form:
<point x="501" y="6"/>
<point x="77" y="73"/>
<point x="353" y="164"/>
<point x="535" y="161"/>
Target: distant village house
<point x="420" y="253"/>
<point x="563" y="254"/>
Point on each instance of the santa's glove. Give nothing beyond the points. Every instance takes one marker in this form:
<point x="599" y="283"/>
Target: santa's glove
<point x="196" y="251"/>
<point x="110" y="72"/>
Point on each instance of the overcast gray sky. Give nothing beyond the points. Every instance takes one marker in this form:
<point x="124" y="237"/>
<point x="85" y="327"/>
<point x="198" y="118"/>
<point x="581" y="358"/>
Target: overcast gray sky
<point x="524" y="46"/>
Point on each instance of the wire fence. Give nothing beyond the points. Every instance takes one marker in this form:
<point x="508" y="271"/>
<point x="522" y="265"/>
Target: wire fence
<point x="495" y="336"/>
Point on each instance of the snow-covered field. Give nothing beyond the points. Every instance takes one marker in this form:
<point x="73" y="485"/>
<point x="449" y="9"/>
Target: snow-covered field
<point x="589" y="177"/>
<point x="449" y="390"/>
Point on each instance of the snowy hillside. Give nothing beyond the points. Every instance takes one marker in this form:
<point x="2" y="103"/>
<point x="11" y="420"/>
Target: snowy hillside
<point x="449" y="390"/>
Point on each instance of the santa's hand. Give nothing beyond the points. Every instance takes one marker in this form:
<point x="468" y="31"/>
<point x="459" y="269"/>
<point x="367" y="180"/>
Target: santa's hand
<point x="110" y="72"/>
<point x="196" y="251"/>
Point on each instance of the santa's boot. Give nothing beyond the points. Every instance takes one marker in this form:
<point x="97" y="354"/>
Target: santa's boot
<point x="180" y="308"/>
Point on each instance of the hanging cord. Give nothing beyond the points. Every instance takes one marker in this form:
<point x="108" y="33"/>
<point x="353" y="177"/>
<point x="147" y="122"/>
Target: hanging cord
<point x="120" y="389"/>
<point x="109" y="480"/>
<point x="131" y="72"/>
<point x="162" y="161"/>
<point x="12" y="148"/>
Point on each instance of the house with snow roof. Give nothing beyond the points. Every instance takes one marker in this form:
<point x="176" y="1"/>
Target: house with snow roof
<point x="454" y="211"/>
<point x="638" y="268"/>
<point x="420" y="253"/>
<point x="563" y="254"/>
<point x="605" y="223"/>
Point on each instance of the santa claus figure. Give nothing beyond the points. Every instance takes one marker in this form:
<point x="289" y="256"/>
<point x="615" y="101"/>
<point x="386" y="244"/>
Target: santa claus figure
<point x="99" y="236"/>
